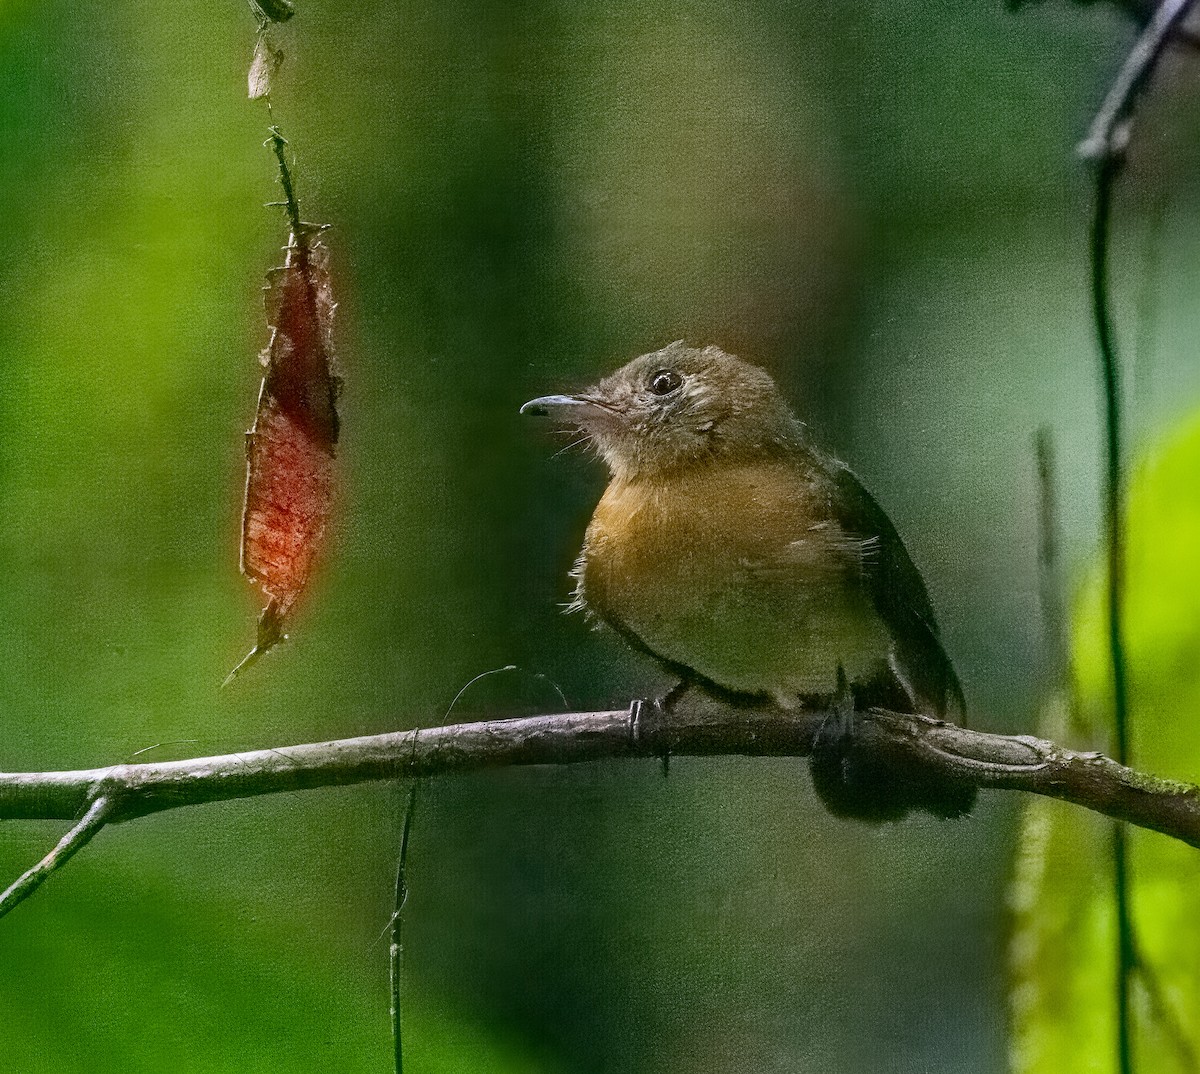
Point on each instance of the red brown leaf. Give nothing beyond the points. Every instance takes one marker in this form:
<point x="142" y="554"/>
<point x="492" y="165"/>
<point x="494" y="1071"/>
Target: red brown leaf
<point x="290" y="450"/>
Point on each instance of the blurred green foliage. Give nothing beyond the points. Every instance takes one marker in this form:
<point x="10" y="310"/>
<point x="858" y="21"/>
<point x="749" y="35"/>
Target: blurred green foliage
<point x="876" y="201"/>
<point x="1064" y="950"/>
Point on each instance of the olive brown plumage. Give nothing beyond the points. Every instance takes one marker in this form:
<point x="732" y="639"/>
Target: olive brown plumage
<point x="732" y="550"/>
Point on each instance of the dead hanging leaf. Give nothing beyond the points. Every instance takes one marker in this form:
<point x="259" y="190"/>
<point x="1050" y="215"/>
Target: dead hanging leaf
<point x="290" y="450"/>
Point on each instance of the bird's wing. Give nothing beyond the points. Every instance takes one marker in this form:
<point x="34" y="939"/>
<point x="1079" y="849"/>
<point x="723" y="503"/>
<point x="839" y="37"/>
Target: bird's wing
<point x="898" y="592"/>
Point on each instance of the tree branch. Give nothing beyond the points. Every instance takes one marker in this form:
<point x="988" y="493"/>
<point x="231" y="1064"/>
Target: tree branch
<point x="694" y="726"/>
<point x="1109" y="134"/>
<point x="29" y="881"/>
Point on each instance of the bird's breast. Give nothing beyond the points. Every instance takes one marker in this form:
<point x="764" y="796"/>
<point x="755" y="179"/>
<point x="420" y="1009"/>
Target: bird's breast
<point x="738" y="573"/>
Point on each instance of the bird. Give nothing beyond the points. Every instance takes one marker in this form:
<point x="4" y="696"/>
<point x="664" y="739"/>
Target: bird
<point x="754" y="566"/>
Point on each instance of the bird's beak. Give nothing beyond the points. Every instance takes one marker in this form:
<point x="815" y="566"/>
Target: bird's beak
<point x="564" y="408"/>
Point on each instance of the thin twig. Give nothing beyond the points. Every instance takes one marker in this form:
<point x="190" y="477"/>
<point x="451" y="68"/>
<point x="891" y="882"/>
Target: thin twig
<point x="396" y="950"/>
<point x="1050" y="591"/>
<point x="77" y="838"/>
<point x="1108" y="137"/>
<point x="278" y="144"/>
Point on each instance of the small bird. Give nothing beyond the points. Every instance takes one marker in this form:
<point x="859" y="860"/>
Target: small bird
<point x="752" y="565"/>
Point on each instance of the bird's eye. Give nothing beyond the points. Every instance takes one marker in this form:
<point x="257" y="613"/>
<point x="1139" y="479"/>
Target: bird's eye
<point x="664" y="382"/>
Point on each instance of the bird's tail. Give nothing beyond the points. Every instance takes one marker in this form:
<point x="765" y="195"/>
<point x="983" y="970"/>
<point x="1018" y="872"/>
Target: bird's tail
<point x="855" y="781"/>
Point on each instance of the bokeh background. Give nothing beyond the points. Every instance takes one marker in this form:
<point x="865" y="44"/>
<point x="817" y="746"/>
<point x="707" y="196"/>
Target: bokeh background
<point x="877" y="201"/>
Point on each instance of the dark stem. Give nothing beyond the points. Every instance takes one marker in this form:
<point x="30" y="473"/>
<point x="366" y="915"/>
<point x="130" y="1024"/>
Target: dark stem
<point x="1114" y="485"/>
<point x="279" y="144"/>
<point x="1105" y="145"/>
<point x="1126" y="951"/>
<point x="1114" y="524"/>
<point x="396" y="948"/>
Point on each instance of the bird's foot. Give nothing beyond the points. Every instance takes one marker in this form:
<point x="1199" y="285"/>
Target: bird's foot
<point x="667" y="707"/>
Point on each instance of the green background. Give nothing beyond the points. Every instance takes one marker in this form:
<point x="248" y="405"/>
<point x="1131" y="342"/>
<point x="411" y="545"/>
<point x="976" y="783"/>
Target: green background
<point x="878" y="201"/>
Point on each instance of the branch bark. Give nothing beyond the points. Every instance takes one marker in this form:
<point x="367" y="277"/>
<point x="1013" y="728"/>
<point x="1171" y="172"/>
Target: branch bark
<point x="66" y="848"/>
<point x="1108" y="137"/>
<point x="693" y="726"/>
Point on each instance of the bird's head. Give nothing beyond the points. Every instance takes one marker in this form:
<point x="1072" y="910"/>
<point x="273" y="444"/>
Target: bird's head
<point x="677" y="407"/>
